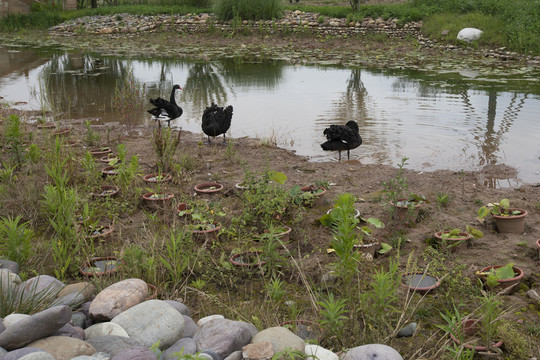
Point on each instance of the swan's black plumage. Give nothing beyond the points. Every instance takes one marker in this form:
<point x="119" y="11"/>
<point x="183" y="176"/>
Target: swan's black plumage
<point x="166" y="110"/>
<point x="342" y="137"/>
<point x="216" y="120"/>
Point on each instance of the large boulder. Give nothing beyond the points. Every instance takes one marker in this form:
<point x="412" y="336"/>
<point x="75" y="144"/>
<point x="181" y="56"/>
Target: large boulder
<point x="152" y="321"/>
<point x="117" y="298"/>
<point x="372" y="352"/>
<point x="224" y="336"/>
<point x="35" y="327"/>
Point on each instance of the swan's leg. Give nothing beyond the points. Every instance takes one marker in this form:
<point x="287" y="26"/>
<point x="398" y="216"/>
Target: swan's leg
<point x="209" y="142"/>
<point x="339" y="153"/>
<point x="348" y="154"/>
<point x="224" y="139"/>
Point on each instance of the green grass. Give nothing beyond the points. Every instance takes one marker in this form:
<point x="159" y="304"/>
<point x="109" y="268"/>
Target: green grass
<point x="248" y="9"/>
<point x="511" y="23"/>
<point x="492" y="27"/>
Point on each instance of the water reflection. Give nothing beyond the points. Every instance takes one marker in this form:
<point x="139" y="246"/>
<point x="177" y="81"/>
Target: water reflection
<point x="436" y="121"/>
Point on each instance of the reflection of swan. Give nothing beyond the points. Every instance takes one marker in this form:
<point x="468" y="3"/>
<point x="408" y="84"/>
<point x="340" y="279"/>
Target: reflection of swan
<point x="342" y="137"/>
<point x="216" y="120"/>
<point x="166" y="110"/>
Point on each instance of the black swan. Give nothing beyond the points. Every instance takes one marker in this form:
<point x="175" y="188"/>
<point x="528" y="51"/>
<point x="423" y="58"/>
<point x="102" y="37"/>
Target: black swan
<point x="216" y="120"/>
<point x="342" y="137"/>
<point x="166" y="110"/>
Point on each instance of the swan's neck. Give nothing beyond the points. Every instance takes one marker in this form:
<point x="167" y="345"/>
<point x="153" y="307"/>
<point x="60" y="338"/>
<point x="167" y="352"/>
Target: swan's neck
<point x="173" y="98"/>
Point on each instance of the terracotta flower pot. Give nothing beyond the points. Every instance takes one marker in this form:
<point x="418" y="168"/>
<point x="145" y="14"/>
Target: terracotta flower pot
<point x="504" y="283"/>
<point x="61" y="132"/>
<point x="538" y="247"/>
<point x="208" y="234"/>
<point x="46" y="126"/>
<point x="208" y="187"/>
<point x="420" y="282"/>
<point x="356" y="212"/>
<point x="250" y="259"/>
<point x="187" y="208"/>
<point x="157" y="178"/>
<point x="404" y="214"/>
<point x="100" y="152"/>
<point x="101" y="233"/>
<point x="454" y="243"/>
<point x="157" y="201"/>
<point x="514" y="224"/>
<point x="314" y="190"/>
<point x="369" y="249"/>
<point x="100" y="266"/>
<point x="106" y="191"/>
<point x="470" y="328"/>
<point x="108" y="158"/>
<point x="283" y="236"/>
<point x="109" y="171"/>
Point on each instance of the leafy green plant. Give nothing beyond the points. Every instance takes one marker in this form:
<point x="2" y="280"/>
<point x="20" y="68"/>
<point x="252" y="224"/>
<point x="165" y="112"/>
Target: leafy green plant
<point x="333" y="314"/>
<point x="276" y="288"/>
<point x="127" y="171"/>
<point x="13" y="137"/>
<point x="442" y="199"/>
<point x="129" y="98"/>
<point x="92" y="137"/>
<point x="16" y="239"/>
<point x="165" y="145"/>
<point x="500" y="273"/>
<point x="177" y="257"/>
<point x="501" y="209"/>
<point x="396" y="188"/>
<point x="271" y="244"/>
<point x="457" y="233"/>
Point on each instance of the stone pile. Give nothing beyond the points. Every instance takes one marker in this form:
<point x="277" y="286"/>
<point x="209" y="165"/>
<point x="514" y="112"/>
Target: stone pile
<point x="120" y="323"/>
<point x="293" y="21"/>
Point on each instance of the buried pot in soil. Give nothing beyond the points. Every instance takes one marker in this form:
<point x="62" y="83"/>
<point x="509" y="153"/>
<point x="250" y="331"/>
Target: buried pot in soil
<point x="100" y="266"/>
<point x="420" y="282"/>
<point x="157" y="201"/>
<point x="499" y="277"/>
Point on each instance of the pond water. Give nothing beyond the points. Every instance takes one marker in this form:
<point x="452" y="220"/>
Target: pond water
<point x="463" y="119"/>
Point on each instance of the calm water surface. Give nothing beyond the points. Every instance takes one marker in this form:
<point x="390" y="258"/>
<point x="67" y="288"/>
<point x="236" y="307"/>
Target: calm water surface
<point x="460" y="120"/>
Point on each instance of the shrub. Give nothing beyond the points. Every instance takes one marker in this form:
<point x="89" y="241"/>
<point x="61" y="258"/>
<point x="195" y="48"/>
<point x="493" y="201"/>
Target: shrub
<point x="248" y="9"/>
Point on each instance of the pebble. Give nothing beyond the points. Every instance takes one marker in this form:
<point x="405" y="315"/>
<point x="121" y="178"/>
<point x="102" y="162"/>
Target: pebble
<point x="532" y="294"/>
<point x="407" y="331"/>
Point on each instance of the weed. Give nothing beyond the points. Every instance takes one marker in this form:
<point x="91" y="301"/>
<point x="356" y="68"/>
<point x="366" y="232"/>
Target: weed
<point x="15" y="239"/>
<point x="23" y="300"/>
<point x="442" y="199"/>
<point x="13" y="135"/>
<point x="127" y="171"/>
<point x="333" y="314"/>
<point x="92" y="137"/>
<point x="177" y="258"/>
<point x="129" y="98"/>
<point x="276" y="288"/>
<point x="396" y="188"/>
<point x="165" y="145"/>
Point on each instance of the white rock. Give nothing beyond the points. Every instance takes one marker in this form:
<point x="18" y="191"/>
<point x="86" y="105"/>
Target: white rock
<point x="104" y="329"/>
<point x="13" y="318"/>
<point x="320" y="353"/>
<point x="208" y="318"/>
<point x="469" y="34"/>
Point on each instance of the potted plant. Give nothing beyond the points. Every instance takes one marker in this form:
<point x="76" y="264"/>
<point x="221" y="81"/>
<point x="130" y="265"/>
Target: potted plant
<point x="106" y="191"/>
<point x="100" y="266"/>
<point x="61" y="132"/>
<point x="507" y="220"/>
<point x="406" y="210"/>
<point x="100" y="152"/>
<point x="420" y="282"/>
<point x="184" y="208"/>
<point x="157" y="178"/>
<point x="307" y="195"/>
<point x="203" y="226"/>
<point x="157" y="200"/>
<point x="282" y="232"/>
<point x="248" y="259"/>
<point x="109" y="171"/>
<point x="501" y="277"/>
<point x="98" y="231"/>
<point x="208" y="187"/>
<point x="455" y="238"/>
<point x="109" y="158"/>
<point x="478" y="334"/>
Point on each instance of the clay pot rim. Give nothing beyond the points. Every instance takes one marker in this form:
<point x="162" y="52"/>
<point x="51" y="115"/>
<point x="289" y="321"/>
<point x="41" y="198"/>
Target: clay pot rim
<point x="107" y="159"/>
<point x="200" y="188"/>
<point x="108" y="229"/>
<point x="46" y="125"/>
<point x="99" y="258"/>
<point x="523" y="214"/>
<point x="311" y="188"/>
<point x="218" y="227"/>
<point x="466" y="236"/>
<point x="424" y="289"/>
<point x="188" y="206"/>
<point x="497" y="344"/>
<point x="538" y="243"/>
<point x="146" y="196"/>
<point x="234" y="262"/>
<point x="107" y="187"/>
<point x="417" y="205"/>
<point x="519" y="276"/>
<point x="165" y="177"/>
<point x="356" y="212"/>
<point x="109" y="170"/>
<point x="61" y="131"/>
<point x="98" y="151"/>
